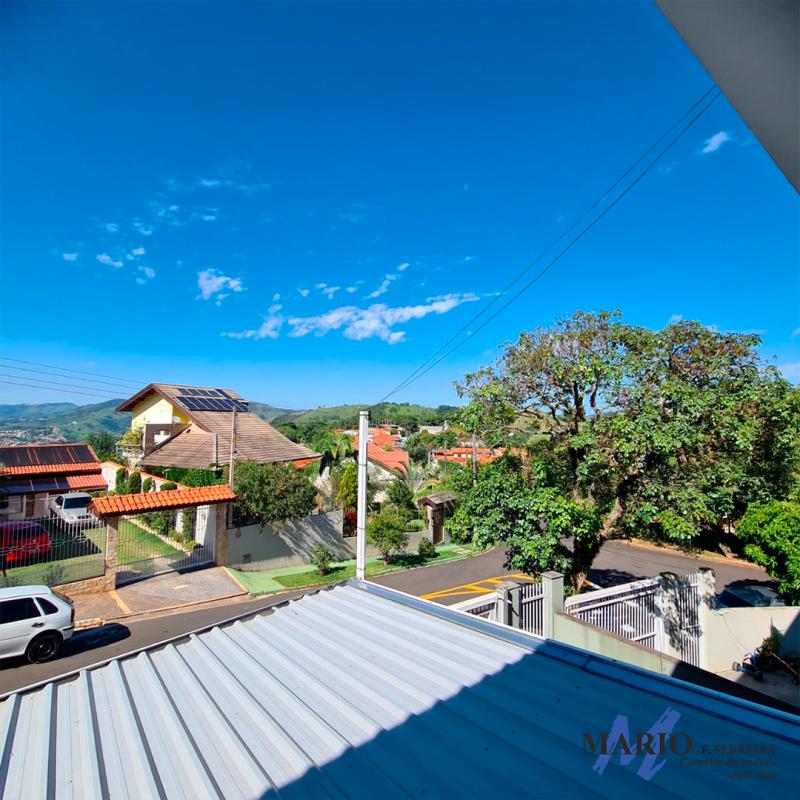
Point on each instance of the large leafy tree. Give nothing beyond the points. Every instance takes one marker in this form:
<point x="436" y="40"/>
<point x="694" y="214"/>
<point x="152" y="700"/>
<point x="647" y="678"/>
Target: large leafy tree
<point x="771" y="532"/>
<point x="654" y="433"/>
<point x="271" y="493"/>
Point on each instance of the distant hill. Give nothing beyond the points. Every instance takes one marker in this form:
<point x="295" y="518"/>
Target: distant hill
<point x="270" y="413"/>
<point x="33" y="411"/>
<point x="70" y="420"/>
<point x="347" y="416"/>
<point x="74" y="422"/>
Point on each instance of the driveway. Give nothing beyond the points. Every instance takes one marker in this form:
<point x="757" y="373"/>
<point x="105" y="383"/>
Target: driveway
<point x="617" y="562"/>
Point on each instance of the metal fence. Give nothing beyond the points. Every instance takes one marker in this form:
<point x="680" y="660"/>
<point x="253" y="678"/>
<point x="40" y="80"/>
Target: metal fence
<point x="686" y="633"/>
<point x="519" y="605"/>
<point x="161" y="541"/>
<point x="629" y="611"/>
<point x="51" y="549"/>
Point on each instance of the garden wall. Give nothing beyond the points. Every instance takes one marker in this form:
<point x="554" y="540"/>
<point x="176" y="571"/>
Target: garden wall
<point x="286" y="544"/>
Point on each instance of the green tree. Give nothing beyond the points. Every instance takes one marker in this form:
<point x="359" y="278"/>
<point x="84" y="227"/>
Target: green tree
<point x="419" y="447"/>
<point x="771" y="532"/>
<point x="134" y="483"/>
<point x="271" y="493"/>
<point x="347" y="495"/>
<point x="121" y="481"/>
<point x="654" y="431"/>
<point x="334" y="447"/>
<point x="402" y="498"/>
<point x="104" y="445"/>
<point x="387" y="532"/>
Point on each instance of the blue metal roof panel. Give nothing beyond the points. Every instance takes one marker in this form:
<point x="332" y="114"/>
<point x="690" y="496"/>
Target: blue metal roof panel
<point x="351" y="693"/>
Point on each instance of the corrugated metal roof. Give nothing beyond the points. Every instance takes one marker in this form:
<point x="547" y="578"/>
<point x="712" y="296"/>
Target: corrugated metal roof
<point x="363" y="692"/>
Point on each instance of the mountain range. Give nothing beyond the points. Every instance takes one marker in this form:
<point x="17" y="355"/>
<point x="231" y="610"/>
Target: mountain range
<point x="74" y="422"/>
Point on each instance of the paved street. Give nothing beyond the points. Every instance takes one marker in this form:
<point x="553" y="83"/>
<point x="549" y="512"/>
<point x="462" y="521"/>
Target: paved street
<point x="447" y="583"/>
<point x="113" y="639"/>
<point x="618" y="562"/>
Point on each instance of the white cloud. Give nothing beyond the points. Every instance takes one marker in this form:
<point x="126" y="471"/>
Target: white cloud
<point x="351" y="289"/>
<point x="675" y="318"/>
<point x="328" y="291"/>
<point x="304" y="292"/>
<point x="383" y="288"/>
<point x="378" y="320"/>
<point x="269" y="329"/>
<point x="143" y="227"/>
<point x="276" y="297"/>
<point x="105" y="258"/>
<point x="69" y="256"/>
<point x="111" y="227"/>
<point x="713" y="143"/>
<point x="216" y="286"/>
<point x="403" y="267"/>
<point x="138" y="251"/>
<point x="795" y="332"/>
<point x="147" y="274"/>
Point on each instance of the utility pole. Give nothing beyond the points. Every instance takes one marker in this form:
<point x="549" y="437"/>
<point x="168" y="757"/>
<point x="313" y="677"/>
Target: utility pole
<point x="474" y="460"/>
<point x="361" y="508"/>
<point x="232" y="462"/>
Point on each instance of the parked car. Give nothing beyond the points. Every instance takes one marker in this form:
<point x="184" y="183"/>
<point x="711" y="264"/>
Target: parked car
<point x="22" y="542"/>
<point x="34" y="622"/>
<point x="749" y="595"/>
<point x="72" y="508"/>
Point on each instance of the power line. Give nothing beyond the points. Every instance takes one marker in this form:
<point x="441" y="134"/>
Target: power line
<point x="93" y="381"/>
<point x="564" y="233"/>
<point x="68" y="369"/>
<point x="55" y="383"/>
<point x="54" y="389"/>
<point x="426" y="365"/>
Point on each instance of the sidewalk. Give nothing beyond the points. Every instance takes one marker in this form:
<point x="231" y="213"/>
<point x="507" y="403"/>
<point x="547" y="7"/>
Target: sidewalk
<point x="279" y="580"/>
<point x="161" y="593"/>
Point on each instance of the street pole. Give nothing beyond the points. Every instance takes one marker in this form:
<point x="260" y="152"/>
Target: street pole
<point x="474" y="460"/>
<point x="361" y="509"/>
<point x="233" y="449"/>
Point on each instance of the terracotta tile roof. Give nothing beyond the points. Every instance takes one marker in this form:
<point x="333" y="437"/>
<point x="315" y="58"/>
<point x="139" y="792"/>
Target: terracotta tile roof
<point x="396" y="460"/>
<point x="93" y="482"/>
<point x="47" y="459"/>
<point x="51" y="469"/>
<point x="160" y="501"/>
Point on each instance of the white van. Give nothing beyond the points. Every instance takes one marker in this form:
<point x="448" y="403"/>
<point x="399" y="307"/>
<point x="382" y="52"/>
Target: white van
<point x="34" y="622"/>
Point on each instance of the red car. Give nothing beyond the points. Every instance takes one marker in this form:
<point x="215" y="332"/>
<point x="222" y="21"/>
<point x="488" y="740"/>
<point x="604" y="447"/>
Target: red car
<point x="22" y="542"/>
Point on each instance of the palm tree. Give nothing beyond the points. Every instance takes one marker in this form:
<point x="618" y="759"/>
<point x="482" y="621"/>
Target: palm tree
<point x="416" y="477"/>
<point x="334" y="447"/>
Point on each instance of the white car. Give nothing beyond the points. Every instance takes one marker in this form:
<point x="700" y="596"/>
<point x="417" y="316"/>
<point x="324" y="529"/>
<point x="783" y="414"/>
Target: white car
<point x="34" y="622"/>
<point x="72" y="508"/>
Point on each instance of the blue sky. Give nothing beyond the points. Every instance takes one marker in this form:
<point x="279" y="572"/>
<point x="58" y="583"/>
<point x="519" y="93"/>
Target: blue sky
<point x="303" y="201"/>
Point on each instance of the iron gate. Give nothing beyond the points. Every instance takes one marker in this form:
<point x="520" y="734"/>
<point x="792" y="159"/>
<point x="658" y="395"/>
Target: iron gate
<point x="153" y="543"/>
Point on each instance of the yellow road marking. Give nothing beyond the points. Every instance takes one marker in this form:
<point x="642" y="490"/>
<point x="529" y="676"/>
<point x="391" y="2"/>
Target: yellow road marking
<point x="484" y="586"/>
<point x="119" y="601"/>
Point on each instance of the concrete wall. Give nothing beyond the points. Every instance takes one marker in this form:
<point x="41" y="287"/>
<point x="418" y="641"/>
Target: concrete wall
<point x="733" y="632"/>
<point x="289" y="544"/>
<point x="573" y="631"/>
<point x="286" y="544"/>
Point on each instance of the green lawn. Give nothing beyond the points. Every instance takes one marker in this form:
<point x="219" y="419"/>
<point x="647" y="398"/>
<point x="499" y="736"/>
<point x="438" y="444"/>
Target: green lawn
<point x="303" y="577"/>
<point x="136" y="544"/>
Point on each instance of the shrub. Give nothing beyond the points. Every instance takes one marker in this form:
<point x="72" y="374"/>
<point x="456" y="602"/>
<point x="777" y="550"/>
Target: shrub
<point x="426" y="549"/>
<point x="347" y="495"/>
<point x="416" y="525"/>
<point x="271" y="493"/>
<point x="147" y="485"/>
<point x="385" y="531"/>
<point x="121" y="481"/>
<point x="168" y="486"/>
<point x="321" y="558"/>
<point x="134" y="483"/>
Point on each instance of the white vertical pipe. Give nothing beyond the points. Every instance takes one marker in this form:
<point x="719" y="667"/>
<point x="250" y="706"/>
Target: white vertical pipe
<point x="361" y="512"/>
